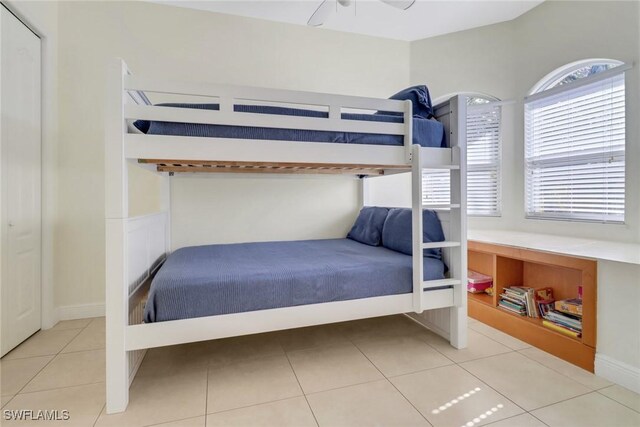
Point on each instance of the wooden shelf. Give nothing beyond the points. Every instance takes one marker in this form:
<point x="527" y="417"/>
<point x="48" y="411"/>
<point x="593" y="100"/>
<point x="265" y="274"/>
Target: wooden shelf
<point x="516" y="266"/>
<point x="538" y="322"/>
<point x="482" y="298"/>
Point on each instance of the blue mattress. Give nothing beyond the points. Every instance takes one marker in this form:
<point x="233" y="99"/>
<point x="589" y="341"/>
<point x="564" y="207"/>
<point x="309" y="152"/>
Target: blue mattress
<point x="221" y="279"/>
<point x="426" y="132"/>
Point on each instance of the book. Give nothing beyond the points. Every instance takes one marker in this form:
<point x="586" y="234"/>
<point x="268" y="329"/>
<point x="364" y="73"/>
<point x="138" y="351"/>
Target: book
<point x="544" y="307"/>
<point x="532" y="309"/>
<point x="561" y="329"/>
<point x="511" y="299"/>
<point x="474" y="277"/>
<point x="514" y="308"/>
<point x="570" y="306"/>
<point x="522" y="295"/>
<point x="564" y="320"/>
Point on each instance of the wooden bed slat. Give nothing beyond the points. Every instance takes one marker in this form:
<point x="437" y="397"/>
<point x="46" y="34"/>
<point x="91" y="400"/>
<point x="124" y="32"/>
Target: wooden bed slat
<point x="216" y="166"/>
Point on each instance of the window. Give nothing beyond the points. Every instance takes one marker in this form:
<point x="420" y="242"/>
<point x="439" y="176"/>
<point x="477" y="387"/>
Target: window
<point x="575" y="144"/>
<point x="483" y="162"/>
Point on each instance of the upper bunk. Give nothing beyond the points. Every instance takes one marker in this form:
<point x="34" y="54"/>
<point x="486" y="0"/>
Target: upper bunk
<point x="242" y="129"/>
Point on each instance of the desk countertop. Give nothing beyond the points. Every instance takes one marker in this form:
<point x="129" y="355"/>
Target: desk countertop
<point x="587" y="248"/>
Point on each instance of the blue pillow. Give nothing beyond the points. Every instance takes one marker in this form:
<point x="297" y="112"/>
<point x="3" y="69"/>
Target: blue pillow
<point x="396" y="232"/>
<point x="419" y="97"/>
<point x="368" y="226"/>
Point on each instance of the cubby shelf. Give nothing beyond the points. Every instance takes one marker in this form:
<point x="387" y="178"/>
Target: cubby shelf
<point x="519" y="266"/>
<point x="482" y="298"/>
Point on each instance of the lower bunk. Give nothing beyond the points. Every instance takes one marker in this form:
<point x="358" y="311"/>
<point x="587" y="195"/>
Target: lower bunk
<point x="218" y="291"/>
<point x="223" y="279"/>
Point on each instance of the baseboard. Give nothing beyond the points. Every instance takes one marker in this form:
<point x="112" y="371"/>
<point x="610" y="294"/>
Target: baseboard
<point x="72" y="312"/>
<point x="618" y="372"/>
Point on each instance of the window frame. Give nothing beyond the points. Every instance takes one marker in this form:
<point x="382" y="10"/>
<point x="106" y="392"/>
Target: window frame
<point x="548" y="87"/>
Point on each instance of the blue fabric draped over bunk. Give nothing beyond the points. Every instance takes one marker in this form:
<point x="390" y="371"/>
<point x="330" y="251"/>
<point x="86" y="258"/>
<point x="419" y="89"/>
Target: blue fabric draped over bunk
<point x="221" y="279"/>
<point x="426" y="132"/>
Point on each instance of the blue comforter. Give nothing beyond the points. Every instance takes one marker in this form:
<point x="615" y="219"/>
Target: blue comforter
<point x="221" y="279"/>
<point x="426" y="132"/>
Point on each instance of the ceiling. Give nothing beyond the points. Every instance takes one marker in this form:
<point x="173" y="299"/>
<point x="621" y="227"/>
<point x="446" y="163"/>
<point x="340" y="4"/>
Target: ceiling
<point x="426" y="18"/>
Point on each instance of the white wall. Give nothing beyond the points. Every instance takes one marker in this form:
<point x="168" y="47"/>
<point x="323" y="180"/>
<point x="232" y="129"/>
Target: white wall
<point x="618" y="348"/>
<point x="185" y="44"/>
<point x="250" y="208"/>
<point x="507" y="59"/>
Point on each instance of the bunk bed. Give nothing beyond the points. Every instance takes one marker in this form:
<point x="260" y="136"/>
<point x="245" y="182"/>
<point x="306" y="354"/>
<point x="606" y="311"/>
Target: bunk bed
<point x="254" y="130"/>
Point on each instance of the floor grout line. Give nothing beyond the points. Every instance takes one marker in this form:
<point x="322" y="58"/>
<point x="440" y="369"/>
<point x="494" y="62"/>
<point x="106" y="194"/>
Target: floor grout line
<point x="206" y="394"/>
<point x="99" y="413"/>
<point x="76" y="336"/>
<point x="61" y="388"/>
<point x="611" y="398"/>
<point x="562" y="401"/>
<point x="490" y="386"/>
<point x="246" y="406"/>
<point x="34" y="375"/>
<point x="80" y="351"/>
<point x="175" y="421"/>
<point x="538" y="419"/>
<point x="393" y="385"/>
<point x="490" y="337"/>
<point x="562" y="373"/>
<point x="42" y="355"/>
<point x="344" y="386"/>
<point x="301" y="389"/>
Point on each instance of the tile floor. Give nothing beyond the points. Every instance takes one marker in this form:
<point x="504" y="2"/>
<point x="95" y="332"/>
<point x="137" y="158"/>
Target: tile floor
<point x="384" y="371"/>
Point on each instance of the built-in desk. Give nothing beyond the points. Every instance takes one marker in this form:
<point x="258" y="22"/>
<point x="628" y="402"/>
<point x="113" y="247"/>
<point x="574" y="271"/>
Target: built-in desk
<point x="572" y="246"/>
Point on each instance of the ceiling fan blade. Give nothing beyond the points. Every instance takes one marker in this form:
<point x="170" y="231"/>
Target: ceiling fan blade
<point x="399" y="4"/>
<point x="326" y="8"/>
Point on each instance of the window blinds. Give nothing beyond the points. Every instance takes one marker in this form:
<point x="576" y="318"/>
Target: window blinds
<point x="575" y="151"/>
<point x="483" y="160"/>
<point x="483" y="165"/>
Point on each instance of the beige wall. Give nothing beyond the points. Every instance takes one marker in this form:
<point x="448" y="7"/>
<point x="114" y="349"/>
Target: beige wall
<point x="507" y="59"/>
<point x="185" y="44"/>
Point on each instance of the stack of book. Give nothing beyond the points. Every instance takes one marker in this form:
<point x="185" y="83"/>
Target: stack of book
<point x="565" y="317"/>
<point x="519" y="300"/>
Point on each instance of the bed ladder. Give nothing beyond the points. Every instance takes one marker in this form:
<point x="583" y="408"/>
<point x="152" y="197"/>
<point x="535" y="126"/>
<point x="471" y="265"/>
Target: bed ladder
<point x="430" y="294"/>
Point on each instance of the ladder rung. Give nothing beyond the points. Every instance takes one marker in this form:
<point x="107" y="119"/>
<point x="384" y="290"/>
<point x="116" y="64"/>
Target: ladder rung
<point x="428" y="284"/>
<point x="445" y="244"/>
<point x="441" y="207"/>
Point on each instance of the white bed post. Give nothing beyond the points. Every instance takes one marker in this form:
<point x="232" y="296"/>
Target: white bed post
<point x="458" y="138"/>
<point x="116" y="214"/>
<point x="416" y="228"/>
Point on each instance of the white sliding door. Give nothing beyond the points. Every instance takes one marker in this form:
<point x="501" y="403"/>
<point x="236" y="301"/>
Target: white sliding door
<point x="20" y="138"/>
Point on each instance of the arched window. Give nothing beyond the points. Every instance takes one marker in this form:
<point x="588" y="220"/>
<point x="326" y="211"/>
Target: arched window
<point x="483" y="160"/>
<point x="575" y="143"/>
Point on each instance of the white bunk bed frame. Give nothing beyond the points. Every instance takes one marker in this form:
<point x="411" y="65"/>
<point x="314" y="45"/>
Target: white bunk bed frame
<point x="136" y="246"/>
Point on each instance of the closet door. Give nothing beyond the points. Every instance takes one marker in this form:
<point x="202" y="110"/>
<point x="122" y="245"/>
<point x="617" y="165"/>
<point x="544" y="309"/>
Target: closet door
<point x="20" y="137"/>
